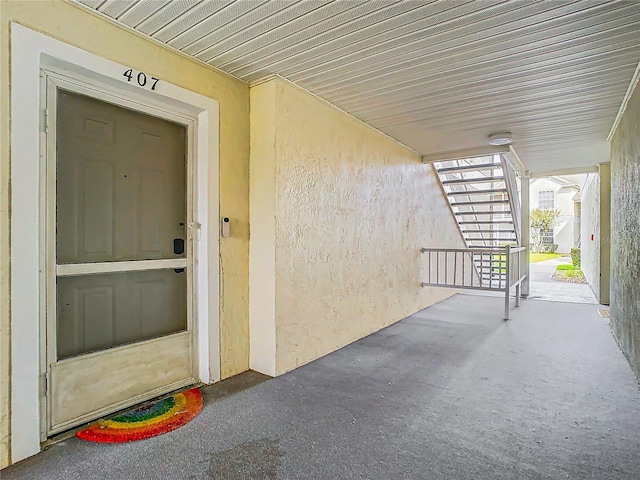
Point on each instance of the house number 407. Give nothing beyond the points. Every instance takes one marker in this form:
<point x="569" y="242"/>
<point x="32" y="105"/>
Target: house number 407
<point x="141" y="78"/>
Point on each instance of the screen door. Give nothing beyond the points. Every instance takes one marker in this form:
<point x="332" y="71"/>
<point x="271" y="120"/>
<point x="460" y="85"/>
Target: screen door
<point x="118" y="323"/>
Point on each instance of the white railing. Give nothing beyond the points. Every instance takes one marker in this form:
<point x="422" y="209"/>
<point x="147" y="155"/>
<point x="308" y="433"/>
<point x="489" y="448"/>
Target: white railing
<point x="497" y="269"/>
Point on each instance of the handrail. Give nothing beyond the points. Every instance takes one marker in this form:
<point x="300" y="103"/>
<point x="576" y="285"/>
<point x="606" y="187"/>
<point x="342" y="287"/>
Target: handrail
<point x="516" y="256"/>
<point x="514" y="198"/>
<point x="497" y="269"/>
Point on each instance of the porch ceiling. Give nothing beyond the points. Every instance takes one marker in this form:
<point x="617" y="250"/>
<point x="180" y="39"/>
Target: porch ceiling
<point x="435" y="75"/>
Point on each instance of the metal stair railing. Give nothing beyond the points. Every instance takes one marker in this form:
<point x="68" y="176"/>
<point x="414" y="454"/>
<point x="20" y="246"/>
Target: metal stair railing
<point x="496" y="269"/>
<point x="482" y="193"/>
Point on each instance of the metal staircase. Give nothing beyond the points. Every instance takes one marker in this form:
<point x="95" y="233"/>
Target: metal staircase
<point x="483" y="195"/>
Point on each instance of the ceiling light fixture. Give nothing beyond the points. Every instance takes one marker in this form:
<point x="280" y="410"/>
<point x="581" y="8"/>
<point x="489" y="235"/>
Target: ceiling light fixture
<point x="502" y="138"/>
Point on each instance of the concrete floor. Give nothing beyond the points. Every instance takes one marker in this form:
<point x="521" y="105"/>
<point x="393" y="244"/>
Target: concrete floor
<point x="452" y="392"/>
<point x="543" y="287"/>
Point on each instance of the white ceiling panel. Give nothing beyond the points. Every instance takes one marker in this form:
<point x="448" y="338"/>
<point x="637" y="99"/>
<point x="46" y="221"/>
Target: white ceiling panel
<point x="462" y="50"/>
<point x="173" y="10"/>
<point x="223" y="44"/>
<point x="93" y="3"/>
<point x="222" y="18"/>
<point x="115" y="8"/>
<point x="188" y="20"/>
<point x="141" y="11"/>
<point x="246" y="19"/>
<point x="435" y="75"/>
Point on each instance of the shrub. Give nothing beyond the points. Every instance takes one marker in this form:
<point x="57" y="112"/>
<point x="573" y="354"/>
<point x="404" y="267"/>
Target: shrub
<point x="575" y="257"/>
<point x="549" y="247"/>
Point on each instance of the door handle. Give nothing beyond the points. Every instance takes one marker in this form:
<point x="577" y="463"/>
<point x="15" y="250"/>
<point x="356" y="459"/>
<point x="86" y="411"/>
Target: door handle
<point x="178" y="246"/>
<point x="178" y="249"/>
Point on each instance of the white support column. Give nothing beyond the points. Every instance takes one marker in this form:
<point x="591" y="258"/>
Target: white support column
<point x="524" y="231"/>
<point x="262" y="219"/>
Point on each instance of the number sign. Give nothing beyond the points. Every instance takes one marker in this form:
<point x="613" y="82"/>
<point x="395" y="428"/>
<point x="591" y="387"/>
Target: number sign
<point x="141" y="79"/>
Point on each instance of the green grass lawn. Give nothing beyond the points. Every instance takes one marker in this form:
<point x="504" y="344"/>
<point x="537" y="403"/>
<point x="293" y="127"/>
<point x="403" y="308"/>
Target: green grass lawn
<point x="569" y="273"/>
<point x="539" y="257"/>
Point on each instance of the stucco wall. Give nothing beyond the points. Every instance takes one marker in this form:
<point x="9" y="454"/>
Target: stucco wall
<point x="352" y="210"/>
<point x="625" y="232"/>
<point x="590" y="225"/>
<point x="596" y="232"/>
<point x="75" y="26"/>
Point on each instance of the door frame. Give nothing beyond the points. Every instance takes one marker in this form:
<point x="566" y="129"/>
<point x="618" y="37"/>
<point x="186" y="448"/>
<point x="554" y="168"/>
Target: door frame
<point x="52" y="81"/>
<point x="31" y="53"/>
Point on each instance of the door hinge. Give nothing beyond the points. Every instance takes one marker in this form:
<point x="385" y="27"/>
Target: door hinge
<point x="44" y="380"/>
<point x="45" y="120"/>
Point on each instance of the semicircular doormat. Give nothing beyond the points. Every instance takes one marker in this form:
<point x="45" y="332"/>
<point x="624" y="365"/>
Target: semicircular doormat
<point x="148" y="420"/>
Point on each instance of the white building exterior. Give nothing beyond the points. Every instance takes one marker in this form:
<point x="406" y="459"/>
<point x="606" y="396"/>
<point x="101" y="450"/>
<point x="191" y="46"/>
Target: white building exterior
<point x="562" y="193"/>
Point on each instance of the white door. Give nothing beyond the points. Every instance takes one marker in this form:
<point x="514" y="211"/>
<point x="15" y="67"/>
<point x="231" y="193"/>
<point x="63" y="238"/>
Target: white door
<point x="119" y="327"/>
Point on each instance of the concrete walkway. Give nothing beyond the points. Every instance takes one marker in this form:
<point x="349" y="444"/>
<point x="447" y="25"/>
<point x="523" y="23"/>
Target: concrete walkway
<point x="543" y="287"/>
<point x="450" y="393"/>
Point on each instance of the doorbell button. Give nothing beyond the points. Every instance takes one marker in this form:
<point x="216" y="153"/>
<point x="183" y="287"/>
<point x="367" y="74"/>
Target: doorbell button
<point x="225" y="226"/>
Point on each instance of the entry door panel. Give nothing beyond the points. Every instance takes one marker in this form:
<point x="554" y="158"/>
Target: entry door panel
<point x="121" y="187"/>
<point x="107" y="310"/>
<point x="121" y="328"/>
<point x="109" y="380"/>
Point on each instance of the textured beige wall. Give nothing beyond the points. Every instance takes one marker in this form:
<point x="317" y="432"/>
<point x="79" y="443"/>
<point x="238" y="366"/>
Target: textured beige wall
<point x="625" y="232"/>
<point x="604" y="169"/>
<point x="590" y="225"/>
<point x="595" y="256"/>
<point x="352" y="210"/>
<point x="73" y="25"/>
<point x="5" y="352"/>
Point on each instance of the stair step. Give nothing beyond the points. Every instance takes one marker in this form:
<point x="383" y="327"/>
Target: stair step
<point x="491" y="212"/>
<point x="479" y="192"/>
<point x="458" y="181"/>
<point x="485" y="222"/>
<point x="494" y="237"/>
<point x="470" y="239"/>
<point x="481" y="202"/>
<point x="487" y="239"/>
<point x="486" y="231"/>
<point x="470" y="168"/>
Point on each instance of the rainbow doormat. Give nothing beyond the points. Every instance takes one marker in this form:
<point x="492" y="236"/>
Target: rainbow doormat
<point x="147" y="421"/>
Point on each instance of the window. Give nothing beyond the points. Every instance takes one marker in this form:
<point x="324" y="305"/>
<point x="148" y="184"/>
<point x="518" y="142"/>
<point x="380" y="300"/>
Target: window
<point x="546" y="199"/>
<point x="546" y="236"/>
